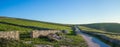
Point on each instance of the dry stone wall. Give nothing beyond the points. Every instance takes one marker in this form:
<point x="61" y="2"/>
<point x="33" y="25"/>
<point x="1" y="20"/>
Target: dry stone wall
<point x="38" y="33"/>
<point x="34" y="34"/>
<point x="11" y="34"/>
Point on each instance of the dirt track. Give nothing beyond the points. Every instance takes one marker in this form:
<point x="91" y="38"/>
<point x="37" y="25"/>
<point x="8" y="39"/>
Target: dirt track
<point x="91" y="41"/>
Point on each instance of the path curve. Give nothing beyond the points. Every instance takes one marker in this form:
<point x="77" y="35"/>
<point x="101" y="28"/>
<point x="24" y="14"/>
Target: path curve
<point x="91" y="41"/>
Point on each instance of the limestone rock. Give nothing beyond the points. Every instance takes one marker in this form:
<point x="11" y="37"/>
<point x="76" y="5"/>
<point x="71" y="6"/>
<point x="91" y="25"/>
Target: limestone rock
<point x="54" y="37"/>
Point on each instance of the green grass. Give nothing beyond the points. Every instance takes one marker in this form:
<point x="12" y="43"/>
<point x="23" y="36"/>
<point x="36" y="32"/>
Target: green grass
<point x="111" y="30"/>
<point x="108" y="34"/>
<point x="109" y="27"/>
<point x="25" y="26"/>
<point x="71" y="40"/>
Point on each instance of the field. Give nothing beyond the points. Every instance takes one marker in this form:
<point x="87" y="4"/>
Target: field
<point x="111" y="30"/>
<point x="109" y="27"/>
<point x="109" y="34"/>
<point x="25" y="26"/>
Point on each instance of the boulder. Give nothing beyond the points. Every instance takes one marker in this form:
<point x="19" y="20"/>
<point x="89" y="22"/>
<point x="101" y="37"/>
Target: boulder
<point x="54" y="37"/>
<point x="65" y="31"/>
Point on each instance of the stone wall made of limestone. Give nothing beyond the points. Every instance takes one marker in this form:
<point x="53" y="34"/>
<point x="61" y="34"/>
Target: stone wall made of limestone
<point x="38" y="33"/>
<point x="11" y="34"/>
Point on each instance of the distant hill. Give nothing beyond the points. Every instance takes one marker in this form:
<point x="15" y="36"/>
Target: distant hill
<point x="23" y="25"/>
<point x="110" y="27"/>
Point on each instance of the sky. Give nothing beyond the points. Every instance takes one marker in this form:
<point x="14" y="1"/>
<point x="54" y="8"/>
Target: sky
<point x="63" y="11"/>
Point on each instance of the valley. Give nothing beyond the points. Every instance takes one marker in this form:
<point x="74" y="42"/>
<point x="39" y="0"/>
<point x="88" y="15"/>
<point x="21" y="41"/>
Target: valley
<point x="71" y="35"/>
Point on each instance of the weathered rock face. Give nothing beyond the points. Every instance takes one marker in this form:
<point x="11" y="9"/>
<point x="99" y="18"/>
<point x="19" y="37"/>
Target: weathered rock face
<point x="36" y="33"/>
<point x="12" y="34"/>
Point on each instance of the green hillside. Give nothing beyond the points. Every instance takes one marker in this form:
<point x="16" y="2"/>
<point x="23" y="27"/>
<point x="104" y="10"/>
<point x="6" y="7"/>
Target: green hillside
<point x="110" y="27"/>
<point x="24" y="25"/>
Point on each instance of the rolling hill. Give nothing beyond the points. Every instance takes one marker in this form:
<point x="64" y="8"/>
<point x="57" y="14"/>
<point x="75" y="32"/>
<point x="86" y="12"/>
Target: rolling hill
<point x="25" y="25"/>
<point x="109" y="27"/>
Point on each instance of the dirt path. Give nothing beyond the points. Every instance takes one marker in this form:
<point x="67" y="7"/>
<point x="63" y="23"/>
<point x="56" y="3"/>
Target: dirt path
<point x="91" y="41"/>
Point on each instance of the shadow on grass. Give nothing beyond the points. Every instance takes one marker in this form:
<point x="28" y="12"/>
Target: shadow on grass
<point x="31" y="27"/>
<point x="27" y="34"/>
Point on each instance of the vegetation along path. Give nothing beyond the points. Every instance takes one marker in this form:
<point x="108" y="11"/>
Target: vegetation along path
<point x="91" y="41"/>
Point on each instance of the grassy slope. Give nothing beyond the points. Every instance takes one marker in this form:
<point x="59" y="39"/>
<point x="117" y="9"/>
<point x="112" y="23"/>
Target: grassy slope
<point x="25" y="26"/>
<point x="110" y="27"/>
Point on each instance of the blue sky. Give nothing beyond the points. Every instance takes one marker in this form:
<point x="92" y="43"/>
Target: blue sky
<point x="63" y="11"/>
